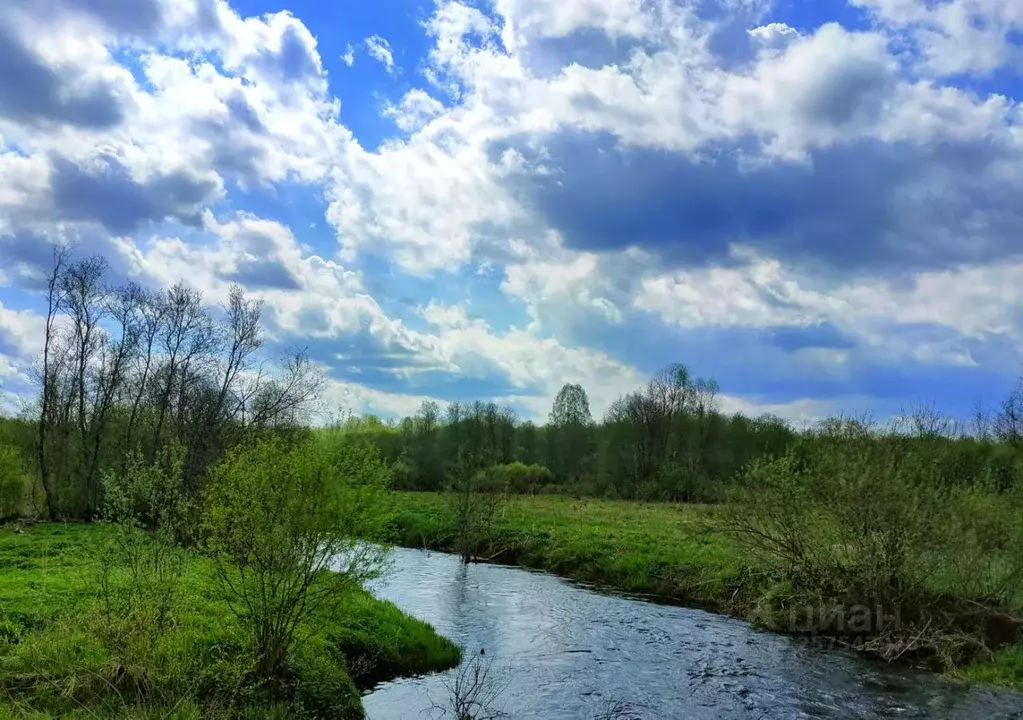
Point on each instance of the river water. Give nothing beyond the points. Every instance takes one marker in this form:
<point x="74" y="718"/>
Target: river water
<point x="561" y="651"/>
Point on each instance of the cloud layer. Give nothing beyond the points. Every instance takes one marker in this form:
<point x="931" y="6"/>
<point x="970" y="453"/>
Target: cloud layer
<point x="822" y="214"/>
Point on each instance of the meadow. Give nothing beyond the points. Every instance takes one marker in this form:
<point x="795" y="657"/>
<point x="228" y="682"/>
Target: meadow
<point x="59" y="656"/>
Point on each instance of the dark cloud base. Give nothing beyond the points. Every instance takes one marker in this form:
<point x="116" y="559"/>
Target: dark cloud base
<point x="864" y="207"/>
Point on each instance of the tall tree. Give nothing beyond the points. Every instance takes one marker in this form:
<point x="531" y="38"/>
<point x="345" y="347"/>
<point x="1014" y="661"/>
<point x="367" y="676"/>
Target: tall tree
<point x="570" y="431"/>
<point x="54" y="304"/>
<point x="571" y="407"/>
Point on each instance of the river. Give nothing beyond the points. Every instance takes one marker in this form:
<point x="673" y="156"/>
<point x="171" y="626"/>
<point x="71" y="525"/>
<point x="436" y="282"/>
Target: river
<point x="562" y="651"/>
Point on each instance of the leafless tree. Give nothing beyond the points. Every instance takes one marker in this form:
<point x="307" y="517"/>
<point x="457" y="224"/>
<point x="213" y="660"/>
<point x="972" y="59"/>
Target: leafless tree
<point x="475" y="691"/>
<point x="1008" y="423"/>
<point x="54" y="304"/>
<point x="132" y="370"/>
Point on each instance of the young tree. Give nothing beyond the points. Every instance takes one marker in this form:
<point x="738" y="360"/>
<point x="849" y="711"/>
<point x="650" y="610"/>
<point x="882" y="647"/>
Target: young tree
<point x="1008" y="423"/>
<point x="287" y="527"/>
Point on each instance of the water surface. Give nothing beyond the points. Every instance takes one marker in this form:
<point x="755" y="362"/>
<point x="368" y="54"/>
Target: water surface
<point x="563" y="651"/>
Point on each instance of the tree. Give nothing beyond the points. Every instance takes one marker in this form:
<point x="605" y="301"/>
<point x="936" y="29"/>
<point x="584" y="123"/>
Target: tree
<point x="125" y="370"/>
<point x="571" y="407"/>
<point x="570" y="433"/>
<point x="54" y="302"/>
<point x="1008" y="423"/>
<point x="474" y="496"/>
<point x="287" y="527"/>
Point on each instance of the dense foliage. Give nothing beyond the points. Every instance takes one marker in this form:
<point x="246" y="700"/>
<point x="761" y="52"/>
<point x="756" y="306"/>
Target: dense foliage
<point x="287" y="529"/>
<point x="667" y="441"/>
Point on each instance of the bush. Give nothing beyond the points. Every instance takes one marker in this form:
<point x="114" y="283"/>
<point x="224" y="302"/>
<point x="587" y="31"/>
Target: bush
<point x="474" y="497"/>
<point x="12" y="482"/>
<point x="849" y="516"/>
<point x="521" y="478"/>
<point x="285" y="527"/>
<point x="141" y="565"/>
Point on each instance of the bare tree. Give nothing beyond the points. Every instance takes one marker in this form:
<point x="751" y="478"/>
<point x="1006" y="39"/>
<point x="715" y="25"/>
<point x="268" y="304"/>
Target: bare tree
<point x="1008" y="423"/>
<point x="475" y="691"/>
<point x="151" y="369"/>
<point x="54" y="303"/>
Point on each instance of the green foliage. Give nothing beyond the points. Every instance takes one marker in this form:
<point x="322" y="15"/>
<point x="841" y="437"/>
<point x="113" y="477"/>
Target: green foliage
<point x="55" y="660"/>
<point x="285" y="526"/>
<point x="849" y="512"/>
<point x="13" y="481"/>
<point x="664" y="442"/>
<point x="852" y="516"/>
<point x="141" y="565"/>
<point x="523" y="479"/>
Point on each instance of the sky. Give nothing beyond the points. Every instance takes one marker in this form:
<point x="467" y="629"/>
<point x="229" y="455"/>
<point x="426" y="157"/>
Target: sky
<point x="819" y="205"/>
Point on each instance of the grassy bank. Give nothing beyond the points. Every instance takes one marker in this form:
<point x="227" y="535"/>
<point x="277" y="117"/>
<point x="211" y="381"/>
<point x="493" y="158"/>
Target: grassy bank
<point x="60" y="657"/>
<point x="658" y="549"/>
<point x="643" y="548"/>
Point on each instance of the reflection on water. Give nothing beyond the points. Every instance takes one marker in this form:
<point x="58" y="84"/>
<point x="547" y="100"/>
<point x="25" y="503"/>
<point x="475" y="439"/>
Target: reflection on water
<point x="563" y="651"/>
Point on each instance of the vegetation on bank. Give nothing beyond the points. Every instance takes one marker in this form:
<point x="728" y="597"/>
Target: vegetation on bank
<point x="656" y="549"/>
<point x="59" y="654"/>
<point x="685" y="553"/>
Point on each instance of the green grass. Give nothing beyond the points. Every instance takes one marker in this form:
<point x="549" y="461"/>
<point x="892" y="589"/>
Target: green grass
<point x="57" y="660"/>
<point x="644" y="548"/>
<point x="658" y="549"/>
<point x="1005" y="669"/>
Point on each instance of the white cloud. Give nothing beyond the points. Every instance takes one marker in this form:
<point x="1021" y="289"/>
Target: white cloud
<point x="380" y="50"/>
<point x="971" y="303"/>
<point x="537" y="365"/>
<point x="774" y="36"/>
<point x="801" y="413"/>
<point x="22" y="331"/>
<point x="359" y="399"/>
<point x="349" y="57"/>
<point x="957" y="36"/>
<point x="415" y="110"/>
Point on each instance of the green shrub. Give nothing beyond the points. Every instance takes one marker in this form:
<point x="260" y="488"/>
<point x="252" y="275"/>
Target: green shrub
<point x="851" y="516"/>
<point x="521" y="478"/>
<point x="12" y="482"/>
<point x="285" y="526"/>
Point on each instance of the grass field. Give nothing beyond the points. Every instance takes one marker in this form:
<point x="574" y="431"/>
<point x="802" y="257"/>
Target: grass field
<point x="644" y="548"/>
<point x="657" y="549"/>
<point x="56" y="660"/>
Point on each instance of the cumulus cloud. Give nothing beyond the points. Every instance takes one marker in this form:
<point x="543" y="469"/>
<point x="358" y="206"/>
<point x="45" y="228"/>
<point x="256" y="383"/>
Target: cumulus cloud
<point x="415" y="110"/>
<point x="956" y="36"/>
<point x="105" y="191"/>
<point x="834" y="198"/>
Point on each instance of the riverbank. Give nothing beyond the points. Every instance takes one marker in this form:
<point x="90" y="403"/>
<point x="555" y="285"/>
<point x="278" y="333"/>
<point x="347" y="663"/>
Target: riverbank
<point x="58" y="657"/>
<point x="662" y="550"/>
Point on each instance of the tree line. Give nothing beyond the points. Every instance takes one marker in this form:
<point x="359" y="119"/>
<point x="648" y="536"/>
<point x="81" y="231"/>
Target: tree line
<point x="127" y="371"/>
<point x="665" y="441"/>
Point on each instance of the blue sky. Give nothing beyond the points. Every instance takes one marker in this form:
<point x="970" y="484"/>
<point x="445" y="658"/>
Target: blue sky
<point x="815" y="204"/>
